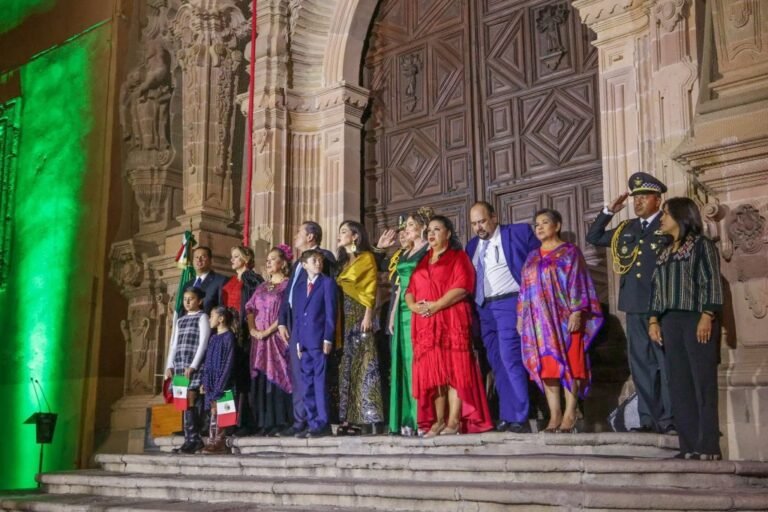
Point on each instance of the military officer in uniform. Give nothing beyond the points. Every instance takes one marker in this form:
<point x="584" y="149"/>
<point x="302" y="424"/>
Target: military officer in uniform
<point x="634" y="246"/>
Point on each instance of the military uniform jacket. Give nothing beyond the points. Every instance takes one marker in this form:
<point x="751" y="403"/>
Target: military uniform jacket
<point x="635" y="286"/>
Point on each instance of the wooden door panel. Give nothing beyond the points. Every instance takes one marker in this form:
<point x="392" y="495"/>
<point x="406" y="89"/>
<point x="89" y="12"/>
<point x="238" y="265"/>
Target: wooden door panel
<point x="419" y="142"/>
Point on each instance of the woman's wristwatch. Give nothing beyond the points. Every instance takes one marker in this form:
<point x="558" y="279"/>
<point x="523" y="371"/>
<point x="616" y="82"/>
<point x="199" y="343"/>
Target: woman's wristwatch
<point x="710" y="314"/>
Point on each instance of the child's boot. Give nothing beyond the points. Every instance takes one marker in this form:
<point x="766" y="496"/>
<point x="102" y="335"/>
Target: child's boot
<point x="217" y="442"/>
<point x="192" y="440"/>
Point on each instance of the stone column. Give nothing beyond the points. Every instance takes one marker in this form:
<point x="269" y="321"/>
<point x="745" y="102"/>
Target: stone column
<point x="207" y="35"/>
<point x="306" y="136"/>
<point x="324" y="155"/>
<point x="268" y="195"/>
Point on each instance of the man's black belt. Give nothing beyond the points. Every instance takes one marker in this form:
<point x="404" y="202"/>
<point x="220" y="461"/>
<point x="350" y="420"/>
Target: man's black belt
<point x="499" y="297"/>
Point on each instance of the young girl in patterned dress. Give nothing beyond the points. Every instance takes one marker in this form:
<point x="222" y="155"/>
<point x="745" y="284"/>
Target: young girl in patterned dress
<point x="188" y="344"/>
<point x="217" y="372"/>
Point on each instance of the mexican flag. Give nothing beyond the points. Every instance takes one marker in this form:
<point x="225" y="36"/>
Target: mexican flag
<point x="180" y="386"/>
<point x="226" y="414"/>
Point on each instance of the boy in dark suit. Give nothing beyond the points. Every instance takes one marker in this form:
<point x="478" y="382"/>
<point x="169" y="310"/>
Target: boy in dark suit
<point x="314" y="329"/>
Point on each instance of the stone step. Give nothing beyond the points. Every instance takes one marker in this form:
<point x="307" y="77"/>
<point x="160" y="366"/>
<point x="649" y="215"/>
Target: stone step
<point x="90" y="503"/>
<point x="401" y="495"/>
<point x="606" y="471"/>
<point x="604" y="443"/>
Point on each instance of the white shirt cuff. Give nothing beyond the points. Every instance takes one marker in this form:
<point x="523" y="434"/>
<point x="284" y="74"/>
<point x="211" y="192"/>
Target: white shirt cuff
<point x="606" y="211"/>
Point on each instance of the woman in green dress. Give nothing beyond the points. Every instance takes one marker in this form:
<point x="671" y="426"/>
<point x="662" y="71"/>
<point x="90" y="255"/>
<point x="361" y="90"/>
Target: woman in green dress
<point x="402" y="404"/>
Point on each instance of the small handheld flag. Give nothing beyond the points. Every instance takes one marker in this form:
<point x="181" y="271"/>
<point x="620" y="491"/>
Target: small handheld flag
<point x="226" y="413"/>
<point x="180" y="387"/>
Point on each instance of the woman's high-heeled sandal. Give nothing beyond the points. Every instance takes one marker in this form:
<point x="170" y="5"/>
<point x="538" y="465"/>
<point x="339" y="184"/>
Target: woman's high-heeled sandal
<point x="434" y="432"/>
<point x="450" y="431"/>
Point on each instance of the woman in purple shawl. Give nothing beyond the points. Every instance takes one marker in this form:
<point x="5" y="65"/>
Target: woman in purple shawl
<point x="559" y="315"/>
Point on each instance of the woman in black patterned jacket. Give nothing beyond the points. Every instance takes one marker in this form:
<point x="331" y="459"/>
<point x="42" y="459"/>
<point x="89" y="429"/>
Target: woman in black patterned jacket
<point x="686" y="298"/>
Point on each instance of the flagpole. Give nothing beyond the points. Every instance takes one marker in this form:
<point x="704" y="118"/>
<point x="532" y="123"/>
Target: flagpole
<point x="249" y="144"/>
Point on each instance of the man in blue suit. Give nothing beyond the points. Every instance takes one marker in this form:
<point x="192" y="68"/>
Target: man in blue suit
<point x="308" y="237"/>
<point x="314" y="329"/>
<point x="498" y="253"/>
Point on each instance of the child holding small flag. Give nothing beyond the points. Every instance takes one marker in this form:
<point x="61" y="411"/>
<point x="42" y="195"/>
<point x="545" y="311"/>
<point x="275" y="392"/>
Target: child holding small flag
<point x="217" y="379"/>
<point x="188" y="345"/>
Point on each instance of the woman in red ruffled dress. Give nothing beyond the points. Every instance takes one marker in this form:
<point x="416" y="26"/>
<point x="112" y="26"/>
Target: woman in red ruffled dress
<point x="445" y="370"/>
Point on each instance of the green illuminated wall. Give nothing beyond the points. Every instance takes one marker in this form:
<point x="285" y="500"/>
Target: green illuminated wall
<point x="13" y="12"/>
<point x="46" y="306"/>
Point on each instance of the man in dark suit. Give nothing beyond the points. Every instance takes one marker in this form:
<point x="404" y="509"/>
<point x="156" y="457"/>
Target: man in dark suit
<point x="206" y="278"/>
<point x="308" y="237"/>
<point x="635" y="245"/>
<point x="498" y="253"/>
<point x="314" y="331"/>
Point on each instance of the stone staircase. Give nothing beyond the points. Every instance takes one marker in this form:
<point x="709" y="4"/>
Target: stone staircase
<point x="492" y="472"/>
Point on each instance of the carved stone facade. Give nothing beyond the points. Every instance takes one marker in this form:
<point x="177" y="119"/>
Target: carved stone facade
<point x="679" y="89"/>
<point x="177" y="114"/>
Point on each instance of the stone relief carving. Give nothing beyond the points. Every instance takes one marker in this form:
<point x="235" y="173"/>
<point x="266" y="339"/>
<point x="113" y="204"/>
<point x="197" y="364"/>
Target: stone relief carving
<point x="743" y="238"/>
<point x="548" y="23"/>
<point x="207" y="37"/>
<point x="669" y="13"/>
<point x="739" y="13"/>
<point x="145" y="117"/>
<point x="410" y="65"/>
<point x="737" y="31"/>
<point x="746" y="227"/>
<point x="142" y="331"/>
<point x="146" y="94"/>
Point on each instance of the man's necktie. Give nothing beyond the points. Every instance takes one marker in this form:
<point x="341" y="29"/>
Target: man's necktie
<point x="643" y="225"/>
<point x="309" y="288"/>
<point x="198" y="282"/>
<point x="480" y="271"/>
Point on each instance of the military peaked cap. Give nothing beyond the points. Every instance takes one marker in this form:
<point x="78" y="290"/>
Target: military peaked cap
<point x="644" y="183"/>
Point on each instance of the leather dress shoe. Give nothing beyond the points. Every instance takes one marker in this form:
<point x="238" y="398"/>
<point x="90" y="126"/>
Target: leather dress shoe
<point x="289" y="432"/>
<point x="314" y="434"/>
<point x="301" y="434"/>
<point x="669" y="430"/>
<point x="243" y="432"/>
<point x="519" y="428"/>
<point x="502" y="426"/>
<point x="643" y="429"/>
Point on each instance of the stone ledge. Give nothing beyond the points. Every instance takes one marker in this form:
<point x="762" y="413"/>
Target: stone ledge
<point x="399" y="495"/>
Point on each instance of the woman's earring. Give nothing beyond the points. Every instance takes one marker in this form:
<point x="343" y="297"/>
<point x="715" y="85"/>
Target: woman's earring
<point x="353" y="247"/>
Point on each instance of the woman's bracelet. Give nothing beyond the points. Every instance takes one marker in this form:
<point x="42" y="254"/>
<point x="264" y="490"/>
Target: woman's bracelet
<point x="655" y="322"/>
<point x="709" y="314"/>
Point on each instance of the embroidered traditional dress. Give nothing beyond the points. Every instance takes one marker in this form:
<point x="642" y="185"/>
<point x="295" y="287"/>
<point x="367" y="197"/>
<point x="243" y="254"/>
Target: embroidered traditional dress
<point x="360" y="395"/>
<point x="442" y="352"/>
<point x="217" y="369"/>
<point x="402" y="404"/>
<point x="555" y="284"/>
<point x="269" y="364"/>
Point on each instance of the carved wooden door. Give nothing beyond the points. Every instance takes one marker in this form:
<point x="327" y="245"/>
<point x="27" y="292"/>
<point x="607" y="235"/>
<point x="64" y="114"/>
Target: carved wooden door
<point x="489" y="99"/>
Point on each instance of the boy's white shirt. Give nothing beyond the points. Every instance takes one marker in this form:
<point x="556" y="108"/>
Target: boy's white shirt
<point x="204" y="328"/>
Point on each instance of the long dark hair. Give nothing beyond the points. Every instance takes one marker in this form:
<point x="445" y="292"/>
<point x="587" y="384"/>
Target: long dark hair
<point x="363" y="243"/>
<point x="453" y="242"/>
<point x="227" y="316"/>
<point x="686" y="214"/>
